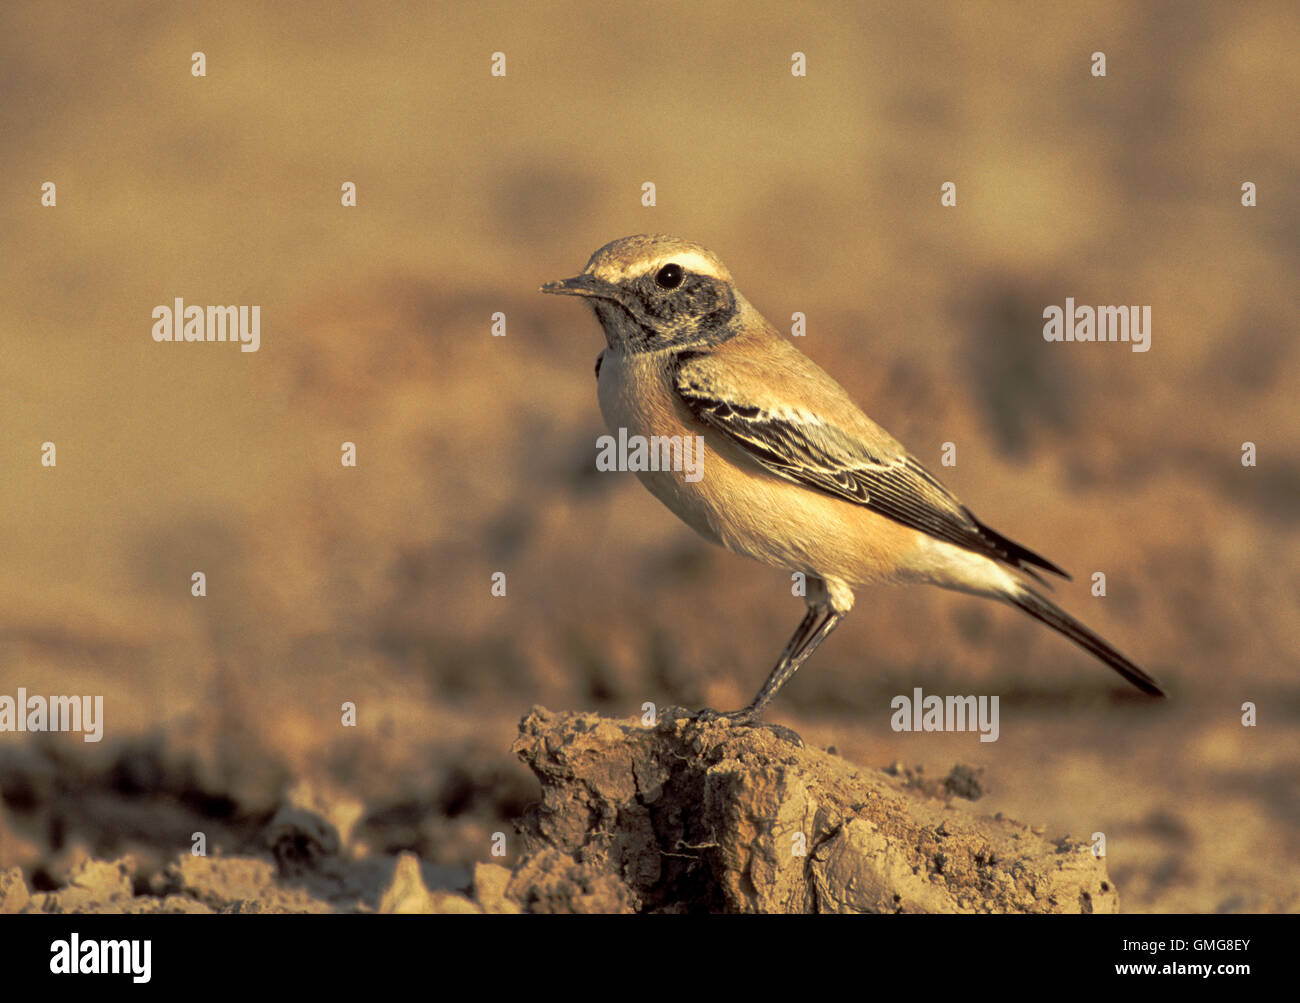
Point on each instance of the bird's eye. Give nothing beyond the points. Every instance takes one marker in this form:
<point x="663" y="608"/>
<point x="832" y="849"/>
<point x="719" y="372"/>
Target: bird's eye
<point x="670" y="276"/>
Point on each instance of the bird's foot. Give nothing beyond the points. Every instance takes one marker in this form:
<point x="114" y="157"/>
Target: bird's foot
<point x="745" y="718"/>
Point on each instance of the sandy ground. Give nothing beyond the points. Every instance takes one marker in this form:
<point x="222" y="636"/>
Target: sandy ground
<point x="670" y="815"/>
<point x="371" y="585"/>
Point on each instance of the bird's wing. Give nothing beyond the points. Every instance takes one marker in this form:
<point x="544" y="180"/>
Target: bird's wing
<point x="802" y="426"/>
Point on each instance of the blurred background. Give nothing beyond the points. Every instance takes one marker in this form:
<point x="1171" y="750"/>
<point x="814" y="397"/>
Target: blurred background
<point x="476" y="453"/>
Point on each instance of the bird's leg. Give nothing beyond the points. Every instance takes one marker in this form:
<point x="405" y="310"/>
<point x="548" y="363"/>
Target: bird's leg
<point x="825" y="611"/>
<point x="814" y="628"/>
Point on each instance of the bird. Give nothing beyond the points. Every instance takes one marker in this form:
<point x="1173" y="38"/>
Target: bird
<point x="793" y="474"/>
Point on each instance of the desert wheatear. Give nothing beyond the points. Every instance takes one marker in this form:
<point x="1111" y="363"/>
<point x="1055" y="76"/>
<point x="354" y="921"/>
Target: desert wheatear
<point x="795" y="475"/>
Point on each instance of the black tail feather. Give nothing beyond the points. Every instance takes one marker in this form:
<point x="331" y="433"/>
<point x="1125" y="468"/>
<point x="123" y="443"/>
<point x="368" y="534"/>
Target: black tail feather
<point x="1042" y="609"/>
<point x="1016" y="555"/>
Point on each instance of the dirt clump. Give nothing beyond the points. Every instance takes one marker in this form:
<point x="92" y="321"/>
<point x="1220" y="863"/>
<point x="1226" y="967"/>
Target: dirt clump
<point x="693" y="816"/>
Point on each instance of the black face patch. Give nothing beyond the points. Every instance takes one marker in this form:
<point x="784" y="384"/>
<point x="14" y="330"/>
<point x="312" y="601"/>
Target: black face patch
<point x="623" y="326"/>
<point x="698" y="308"/>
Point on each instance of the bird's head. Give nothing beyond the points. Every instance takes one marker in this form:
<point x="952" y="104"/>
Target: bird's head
<point x="653" y="291"/>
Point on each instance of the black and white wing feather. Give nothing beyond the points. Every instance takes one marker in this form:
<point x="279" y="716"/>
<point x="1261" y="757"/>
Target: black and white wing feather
<point x="861" y="464"/>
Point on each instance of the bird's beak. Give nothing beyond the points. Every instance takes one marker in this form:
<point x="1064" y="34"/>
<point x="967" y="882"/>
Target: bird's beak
<point x="581" y="285"/>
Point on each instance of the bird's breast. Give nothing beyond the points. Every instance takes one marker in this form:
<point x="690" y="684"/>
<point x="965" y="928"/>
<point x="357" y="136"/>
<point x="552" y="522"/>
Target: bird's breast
<point x="642" y="410"/>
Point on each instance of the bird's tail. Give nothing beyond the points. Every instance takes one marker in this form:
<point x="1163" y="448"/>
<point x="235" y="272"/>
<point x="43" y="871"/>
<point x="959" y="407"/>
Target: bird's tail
<point x="1049" y="613"/>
